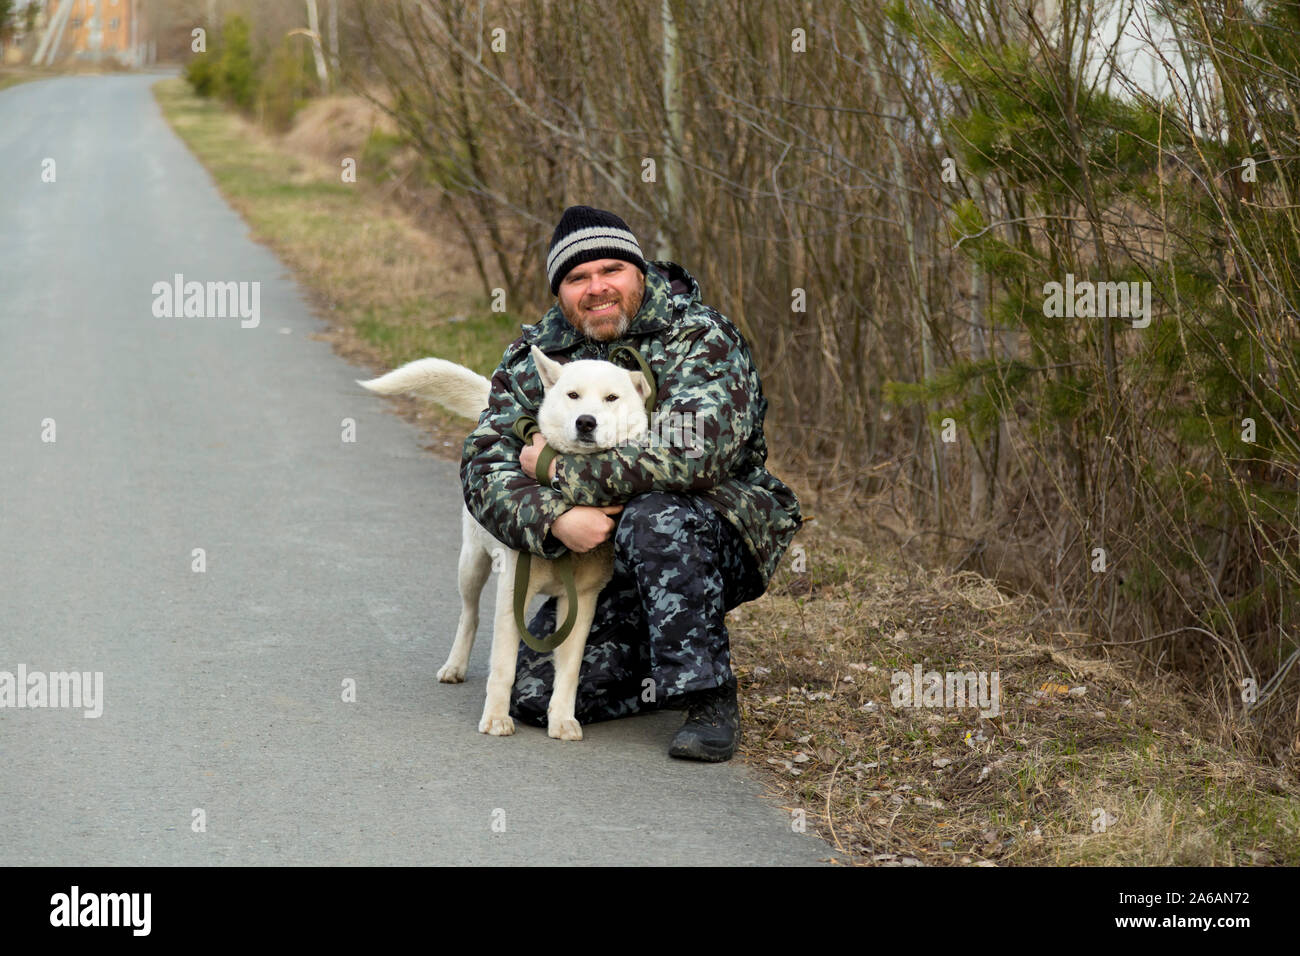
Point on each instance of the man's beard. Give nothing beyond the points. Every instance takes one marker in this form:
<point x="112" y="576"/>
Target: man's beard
<point x="605" y="328"/>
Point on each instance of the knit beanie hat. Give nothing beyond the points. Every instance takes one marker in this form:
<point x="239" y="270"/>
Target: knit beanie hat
<point x="585" y="234"/>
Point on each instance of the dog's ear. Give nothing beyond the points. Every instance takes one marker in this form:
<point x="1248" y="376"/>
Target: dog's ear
<point x="640" y="383"/>
<point x="547" y="369"/>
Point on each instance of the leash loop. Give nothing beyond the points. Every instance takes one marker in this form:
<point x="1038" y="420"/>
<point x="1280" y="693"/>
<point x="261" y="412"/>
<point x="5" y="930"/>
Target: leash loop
<point x="564" y="565"/>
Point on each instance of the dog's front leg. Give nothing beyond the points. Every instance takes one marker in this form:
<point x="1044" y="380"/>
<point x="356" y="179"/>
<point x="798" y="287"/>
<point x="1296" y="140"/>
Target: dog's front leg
<point x="505" y="651"/>
<point x="560" y="719"/>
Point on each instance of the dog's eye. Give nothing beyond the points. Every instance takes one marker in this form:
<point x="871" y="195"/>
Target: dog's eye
<point x="611" y="398"/>
<point x="573" y="395"/>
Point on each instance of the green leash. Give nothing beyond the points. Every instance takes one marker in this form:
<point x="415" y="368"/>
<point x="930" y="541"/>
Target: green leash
<point x="564" y="565"/>
<point x="645" y="370"/>
<point x="524" y="428"/>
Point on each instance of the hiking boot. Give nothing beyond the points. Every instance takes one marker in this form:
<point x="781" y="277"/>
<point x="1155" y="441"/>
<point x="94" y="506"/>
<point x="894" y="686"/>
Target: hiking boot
<point x="712" y="726"/>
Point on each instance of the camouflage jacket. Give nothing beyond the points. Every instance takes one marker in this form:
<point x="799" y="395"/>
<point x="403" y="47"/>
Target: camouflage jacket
<point x="701" y="365"/>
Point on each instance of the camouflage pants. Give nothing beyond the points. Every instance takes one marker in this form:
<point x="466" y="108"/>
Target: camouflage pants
<point x="679" y="566"/>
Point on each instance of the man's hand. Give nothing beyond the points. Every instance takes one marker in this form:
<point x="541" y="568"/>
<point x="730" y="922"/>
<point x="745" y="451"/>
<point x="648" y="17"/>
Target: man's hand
<point x="528" y="459"/>
<point x="582" y="528"/>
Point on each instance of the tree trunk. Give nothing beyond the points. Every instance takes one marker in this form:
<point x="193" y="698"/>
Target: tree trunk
<point x="313" y="24"/>
<point x="332" y="18"/>
<point x="672" y="133"/>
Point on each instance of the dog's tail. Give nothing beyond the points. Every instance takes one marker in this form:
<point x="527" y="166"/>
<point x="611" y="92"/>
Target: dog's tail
<point x="452" y="386"/>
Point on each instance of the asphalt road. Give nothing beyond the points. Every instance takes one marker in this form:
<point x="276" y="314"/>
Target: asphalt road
<point x="325" y="561"/>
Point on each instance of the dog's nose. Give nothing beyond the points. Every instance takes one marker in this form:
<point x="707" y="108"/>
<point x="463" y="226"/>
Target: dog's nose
<point x="586" y="424"/>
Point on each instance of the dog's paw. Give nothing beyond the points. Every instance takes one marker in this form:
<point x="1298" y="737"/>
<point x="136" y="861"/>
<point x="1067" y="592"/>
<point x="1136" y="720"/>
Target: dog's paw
<point x="497" y="726"/>
<point x="566" y="729"/>
<point x="450" y="673"/>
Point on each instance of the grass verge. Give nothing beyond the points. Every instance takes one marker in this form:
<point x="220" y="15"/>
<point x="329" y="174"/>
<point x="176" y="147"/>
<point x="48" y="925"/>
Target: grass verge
<point x="1081" y="766"/>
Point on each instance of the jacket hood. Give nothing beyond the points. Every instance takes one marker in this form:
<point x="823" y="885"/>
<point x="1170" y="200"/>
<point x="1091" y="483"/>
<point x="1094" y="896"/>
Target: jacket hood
<point x="668" y="287"/>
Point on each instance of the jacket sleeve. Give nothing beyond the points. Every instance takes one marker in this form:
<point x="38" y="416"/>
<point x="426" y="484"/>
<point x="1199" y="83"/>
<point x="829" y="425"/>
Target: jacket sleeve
<point x="714" y="387"/>
<point x="514" y="508"/>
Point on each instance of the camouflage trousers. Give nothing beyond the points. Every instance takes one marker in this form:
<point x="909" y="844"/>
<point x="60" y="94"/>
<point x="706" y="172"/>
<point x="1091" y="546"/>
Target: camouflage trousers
<point x="658" y="634"/>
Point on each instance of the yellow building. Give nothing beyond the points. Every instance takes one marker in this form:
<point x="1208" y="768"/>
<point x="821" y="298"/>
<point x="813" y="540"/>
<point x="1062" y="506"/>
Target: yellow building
<point x="94" y="30"/>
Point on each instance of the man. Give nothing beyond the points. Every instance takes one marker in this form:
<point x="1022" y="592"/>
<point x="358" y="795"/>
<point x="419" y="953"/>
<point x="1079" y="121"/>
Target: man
<point x="698" y="523"/>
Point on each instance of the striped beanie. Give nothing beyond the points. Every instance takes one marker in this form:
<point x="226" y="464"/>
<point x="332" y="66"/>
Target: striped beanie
<point x="585" y="234"/>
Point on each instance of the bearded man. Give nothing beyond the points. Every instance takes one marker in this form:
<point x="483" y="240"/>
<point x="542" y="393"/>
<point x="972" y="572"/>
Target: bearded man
<point x="698" y="525"/>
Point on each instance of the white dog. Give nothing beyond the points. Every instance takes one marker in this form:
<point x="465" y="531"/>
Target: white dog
<point x="588" y="406"/>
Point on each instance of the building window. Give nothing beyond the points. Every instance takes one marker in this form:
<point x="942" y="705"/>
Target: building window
<point x="113" y="24"/>
<point x="76" y="23"/>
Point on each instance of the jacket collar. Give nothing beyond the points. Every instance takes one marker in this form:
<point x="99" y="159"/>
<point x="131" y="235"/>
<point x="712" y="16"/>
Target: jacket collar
<point x="667" y="286"/>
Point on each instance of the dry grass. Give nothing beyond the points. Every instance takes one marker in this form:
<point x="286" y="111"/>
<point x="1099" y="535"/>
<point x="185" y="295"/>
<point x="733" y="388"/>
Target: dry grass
<point x="332" y="127"/>
<point x="1116" y="773"/>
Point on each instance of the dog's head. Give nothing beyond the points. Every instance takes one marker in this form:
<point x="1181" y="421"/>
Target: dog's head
<point x="589" y="406"/>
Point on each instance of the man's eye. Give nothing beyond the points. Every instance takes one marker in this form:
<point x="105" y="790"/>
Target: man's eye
<point x="611" y="398"/>
<point x="573" y="395"/>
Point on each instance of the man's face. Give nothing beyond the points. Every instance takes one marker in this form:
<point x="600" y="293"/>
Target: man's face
<point x="600" y="298"/>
